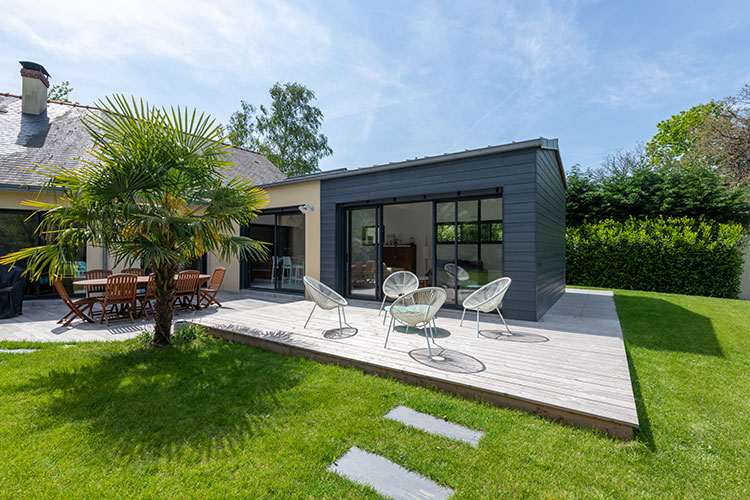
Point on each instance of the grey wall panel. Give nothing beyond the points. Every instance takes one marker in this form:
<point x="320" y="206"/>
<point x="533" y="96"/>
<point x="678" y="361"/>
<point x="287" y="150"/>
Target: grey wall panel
<point x="550" y="232"/>
<point x="514" y="172"/>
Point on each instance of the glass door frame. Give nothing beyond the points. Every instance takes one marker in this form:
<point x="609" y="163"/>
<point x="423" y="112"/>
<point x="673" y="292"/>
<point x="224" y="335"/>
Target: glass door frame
<point x="246" y="264"/>
<point x="379" y="236"/>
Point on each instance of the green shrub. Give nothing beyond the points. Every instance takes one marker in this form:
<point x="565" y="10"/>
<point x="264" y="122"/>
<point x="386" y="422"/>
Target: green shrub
<point x="674" y="255"/>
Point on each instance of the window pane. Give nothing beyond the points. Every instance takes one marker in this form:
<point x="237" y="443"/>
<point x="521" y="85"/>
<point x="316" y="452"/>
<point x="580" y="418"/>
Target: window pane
<point x="468" y="233"/>
<point x="445" y="212"/>
<point x="491" y="263"/>
<point x="492" y="232"/>
<point x="492" y="209"/>
<point x="15" y="234"/>
<point x="467" y="210"/>
<point x="446" y="233"/>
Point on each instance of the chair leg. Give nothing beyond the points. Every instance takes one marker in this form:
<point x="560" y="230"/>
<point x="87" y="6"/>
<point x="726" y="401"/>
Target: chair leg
<point x="501" y="317"/>
<point x="477" y="323"/>
<point x="427" y="336"/>
<point x="382" y="304"/>
<point x="308" y="318"/>
<point x="390" y="325"/>
<point x="462" y="317"/>
<point x="341" y="326"/>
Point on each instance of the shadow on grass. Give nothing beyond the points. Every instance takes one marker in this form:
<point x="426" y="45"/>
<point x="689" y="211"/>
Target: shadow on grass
<point x="658" y="324"/>
<point x="152" y="401"/>
<point x="644" y="432"/>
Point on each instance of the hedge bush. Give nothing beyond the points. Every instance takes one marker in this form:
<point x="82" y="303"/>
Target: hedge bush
<point x="674" y="255"/>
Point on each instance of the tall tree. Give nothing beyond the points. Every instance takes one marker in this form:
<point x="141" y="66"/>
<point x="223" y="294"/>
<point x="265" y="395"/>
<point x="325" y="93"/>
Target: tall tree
<point x="725" y="137"/>
<point x="153" y="190"/>
<point x="60" y="92"/>
<point x="287" y="132"/>
<point x="676" y="136"/>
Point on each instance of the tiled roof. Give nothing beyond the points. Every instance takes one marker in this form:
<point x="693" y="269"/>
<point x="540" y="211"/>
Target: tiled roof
<point x="57" y="137"/>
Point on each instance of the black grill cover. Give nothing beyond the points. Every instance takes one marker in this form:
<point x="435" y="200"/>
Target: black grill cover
<point x="11" y="278"/>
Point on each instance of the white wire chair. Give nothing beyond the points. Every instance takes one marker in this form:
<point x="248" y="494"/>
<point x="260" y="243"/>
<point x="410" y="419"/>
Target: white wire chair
<point x="395" y="285"/>
<point x="326" y="298"/>
<point x="487" y="299"/>
<point x="418" y="308"/>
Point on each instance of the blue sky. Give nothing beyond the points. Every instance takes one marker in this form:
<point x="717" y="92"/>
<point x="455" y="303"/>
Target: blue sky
<point x="397" y="80"/>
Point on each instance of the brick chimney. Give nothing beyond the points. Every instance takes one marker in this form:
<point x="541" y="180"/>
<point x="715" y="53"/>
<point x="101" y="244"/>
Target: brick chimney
<point x="35" y="85"/>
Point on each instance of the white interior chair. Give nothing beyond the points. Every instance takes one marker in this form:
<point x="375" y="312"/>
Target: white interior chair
<point x="487" y="299"/>
<point x="416" y="309"/>
<point x="326" y="298"/>
<point x="396" y="285"/>
<point x="455" y="275"/>
<point x="286" y="268"/>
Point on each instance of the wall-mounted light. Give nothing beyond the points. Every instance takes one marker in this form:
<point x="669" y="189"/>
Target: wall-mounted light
<point x="306" y="209"/>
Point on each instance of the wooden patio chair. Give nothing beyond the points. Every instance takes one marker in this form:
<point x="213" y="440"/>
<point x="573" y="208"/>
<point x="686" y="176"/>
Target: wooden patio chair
<point x="208" y="295"/>
<point x="148" y="295"/>
<point x="186" y="288"/>
<point x="96" y="274"/>
<point x="134" y="270"/>
<point x="120" y="291"/>
<point x="77" y="307"/>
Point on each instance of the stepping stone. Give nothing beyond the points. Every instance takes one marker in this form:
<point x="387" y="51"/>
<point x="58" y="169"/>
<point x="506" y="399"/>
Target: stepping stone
<point x="17" y="351"/>
<point x="387" y="478"/>
<point x="434" y="425"/>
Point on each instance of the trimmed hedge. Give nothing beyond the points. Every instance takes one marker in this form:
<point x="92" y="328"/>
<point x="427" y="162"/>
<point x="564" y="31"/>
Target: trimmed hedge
<point x="674" y="255"/>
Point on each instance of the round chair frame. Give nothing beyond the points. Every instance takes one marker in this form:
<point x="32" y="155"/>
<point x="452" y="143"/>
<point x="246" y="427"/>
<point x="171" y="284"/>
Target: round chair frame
<point x="436" y="297"/>
<point x="490" y="303"/>
<point x="326" y="298"/>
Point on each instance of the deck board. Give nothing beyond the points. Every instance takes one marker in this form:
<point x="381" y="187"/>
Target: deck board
<point x="579" y="375"/>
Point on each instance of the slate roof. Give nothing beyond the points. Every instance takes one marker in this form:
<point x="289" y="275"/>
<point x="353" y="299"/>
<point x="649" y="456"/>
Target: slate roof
<point x="57" y="136"/>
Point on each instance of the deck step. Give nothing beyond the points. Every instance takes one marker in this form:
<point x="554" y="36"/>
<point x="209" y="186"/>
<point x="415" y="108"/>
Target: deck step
<point x="387" y="478"/>
<point x="434" y="425"/>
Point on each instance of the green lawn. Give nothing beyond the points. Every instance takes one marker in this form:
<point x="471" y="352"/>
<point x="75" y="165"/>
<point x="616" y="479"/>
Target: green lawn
<point x="217" y="420"/>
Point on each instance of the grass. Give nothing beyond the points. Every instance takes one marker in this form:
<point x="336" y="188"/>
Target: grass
<point x="216" y="420"/>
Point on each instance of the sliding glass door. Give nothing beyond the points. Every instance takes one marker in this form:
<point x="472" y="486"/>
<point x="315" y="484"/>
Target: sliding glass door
<point x="467" y="235"/>
<point x="364" y="252"/>
<point x="284" y="266"/>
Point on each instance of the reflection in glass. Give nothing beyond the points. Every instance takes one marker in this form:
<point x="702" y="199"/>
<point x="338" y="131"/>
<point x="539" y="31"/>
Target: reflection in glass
<point x="363" y="256"/>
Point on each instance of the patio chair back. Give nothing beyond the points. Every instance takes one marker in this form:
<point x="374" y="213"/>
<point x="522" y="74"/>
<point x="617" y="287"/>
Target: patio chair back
<point x="96" y="274"/>
<point x="150" y="293"/>
<point x="134" y="270"/>
<point x="323" y="296"/>
<point x="419" y="307"/>
<point x="63" y="293"/>
<point x="187" y="283"/>
<point x="217" y="278"/>
<point x="400" y="283"/>
<point x="489" y="297"/>
<point x="121" y="289"/>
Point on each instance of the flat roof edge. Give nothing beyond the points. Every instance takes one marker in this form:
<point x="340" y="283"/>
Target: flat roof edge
<point x="540" y="142"/>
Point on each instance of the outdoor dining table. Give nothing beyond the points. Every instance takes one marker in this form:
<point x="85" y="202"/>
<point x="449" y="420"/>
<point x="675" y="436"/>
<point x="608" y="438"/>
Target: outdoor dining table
<point x="142" y="281"/>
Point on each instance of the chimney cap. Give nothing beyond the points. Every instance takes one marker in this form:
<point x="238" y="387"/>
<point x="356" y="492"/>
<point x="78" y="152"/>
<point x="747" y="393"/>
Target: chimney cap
<point x="34" y="67"/>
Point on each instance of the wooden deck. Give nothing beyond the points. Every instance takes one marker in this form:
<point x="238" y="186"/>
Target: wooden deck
<point x="570" y="366"/>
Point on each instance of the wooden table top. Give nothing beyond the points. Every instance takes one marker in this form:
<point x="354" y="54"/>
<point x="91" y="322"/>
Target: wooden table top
<point x="141" y="280"/>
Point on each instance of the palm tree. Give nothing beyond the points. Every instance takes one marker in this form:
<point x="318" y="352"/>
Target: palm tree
<point x="153" y="189"/>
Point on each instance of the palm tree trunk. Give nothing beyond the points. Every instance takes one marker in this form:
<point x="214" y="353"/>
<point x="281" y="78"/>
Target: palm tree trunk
<point x="164" y="307"/>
